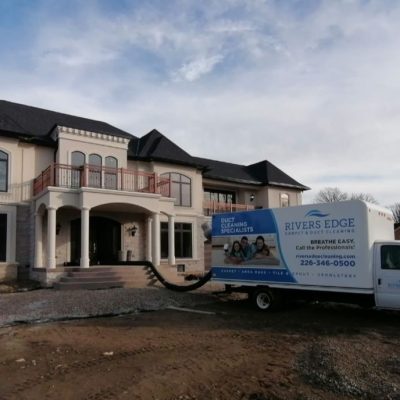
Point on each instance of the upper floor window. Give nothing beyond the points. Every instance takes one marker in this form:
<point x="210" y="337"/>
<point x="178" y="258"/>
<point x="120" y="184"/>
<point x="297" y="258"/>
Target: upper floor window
<point x="284" y="200"/>
<point x="181" y="188"/>
<point x="77" y="159"/>
<point x="110" y="174"/>
<point x="3" y="171"/>
<point x="220" y="196"/>
<point x="95" y="170"/>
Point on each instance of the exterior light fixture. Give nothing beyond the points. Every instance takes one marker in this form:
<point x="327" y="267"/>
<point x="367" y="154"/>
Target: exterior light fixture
<point x="252" y="197"/>
<point x="132" y="230"/>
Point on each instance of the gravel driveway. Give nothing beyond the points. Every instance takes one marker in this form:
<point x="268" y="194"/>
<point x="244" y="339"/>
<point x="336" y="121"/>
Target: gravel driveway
<point x="51" y="305"/>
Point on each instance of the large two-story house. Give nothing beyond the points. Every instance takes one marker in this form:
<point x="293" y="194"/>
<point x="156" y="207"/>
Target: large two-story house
<point x="75" y="191"/>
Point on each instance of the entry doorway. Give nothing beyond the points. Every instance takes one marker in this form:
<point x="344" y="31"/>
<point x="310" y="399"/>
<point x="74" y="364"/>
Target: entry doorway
<point x="104" y="241"/>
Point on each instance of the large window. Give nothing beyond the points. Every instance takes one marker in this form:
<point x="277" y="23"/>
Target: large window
<point x="183" y="240"/>
<point x="77" y="160"/>
<point x="181" y="188"/>
<point x="220" y="196"/>
<point x="3" y="237"/>
<point x="95" y="170"/>
<point x="3" y="171"/>
<point x="111" y="171"/>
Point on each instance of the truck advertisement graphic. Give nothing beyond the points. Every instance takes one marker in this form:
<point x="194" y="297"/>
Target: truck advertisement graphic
<point x="308" y="245"/>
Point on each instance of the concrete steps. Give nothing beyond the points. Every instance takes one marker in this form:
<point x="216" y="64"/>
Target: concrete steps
<point x="114" y="277"/>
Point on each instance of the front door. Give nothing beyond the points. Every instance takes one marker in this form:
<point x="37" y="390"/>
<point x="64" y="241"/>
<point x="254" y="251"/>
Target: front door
<point x="104" y="240"/>
<point x="387" y="277"/>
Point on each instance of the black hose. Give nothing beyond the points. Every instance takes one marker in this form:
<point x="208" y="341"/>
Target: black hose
<point x="169" y="285"/>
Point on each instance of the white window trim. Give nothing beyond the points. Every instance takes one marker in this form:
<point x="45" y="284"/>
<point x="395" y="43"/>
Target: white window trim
<point x="11" y="212"/>
<point x="8" y="170"/>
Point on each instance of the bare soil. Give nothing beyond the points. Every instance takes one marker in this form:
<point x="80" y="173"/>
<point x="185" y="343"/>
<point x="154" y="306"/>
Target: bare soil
<point x="301" y="352"/>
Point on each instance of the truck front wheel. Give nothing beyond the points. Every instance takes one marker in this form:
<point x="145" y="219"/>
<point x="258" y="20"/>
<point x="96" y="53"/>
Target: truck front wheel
<point x="262" y="299"/>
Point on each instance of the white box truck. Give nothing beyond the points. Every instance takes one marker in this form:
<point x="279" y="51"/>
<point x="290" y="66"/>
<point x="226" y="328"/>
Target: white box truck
<point x="343" y="251"/>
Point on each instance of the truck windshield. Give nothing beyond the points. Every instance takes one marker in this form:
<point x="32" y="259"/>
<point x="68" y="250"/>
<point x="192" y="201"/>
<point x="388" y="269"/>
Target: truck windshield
<point x="390" y="257"/>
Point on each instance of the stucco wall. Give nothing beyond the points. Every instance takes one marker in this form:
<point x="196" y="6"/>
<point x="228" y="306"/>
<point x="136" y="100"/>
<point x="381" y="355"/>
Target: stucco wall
<point x="26" y="162"/>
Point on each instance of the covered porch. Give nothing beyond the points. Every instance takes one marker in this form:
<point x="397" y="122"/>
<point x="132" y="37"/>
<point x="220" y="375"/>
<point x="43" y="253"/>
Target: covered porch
<point x="87" y="228"/>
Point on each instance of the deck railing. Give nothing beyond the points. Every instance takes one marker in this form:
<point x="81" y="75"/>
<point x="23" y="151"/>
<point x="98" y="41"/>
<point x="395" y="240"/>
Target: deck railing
<point x="211" y="207"/>
<point x="68" y="176"/>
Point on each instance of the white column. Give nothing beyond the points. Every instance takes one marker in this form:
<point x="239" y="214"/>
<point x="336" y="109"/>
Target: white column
<point x="171" y="240"/>
<point x="156" y="240"/>
<point x="38" y="241"/>
<point x="85" y="238"/>
<point x="51" y="237"/>
<point x="148" y="237"/>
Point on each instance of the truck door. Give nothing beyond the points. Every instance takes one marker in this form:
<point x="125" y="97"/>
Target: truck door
<point x="387" y="276"/>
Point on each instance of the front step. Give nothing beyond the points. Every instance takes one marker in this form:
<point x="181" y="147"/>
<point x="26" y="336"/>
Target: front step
<point x="113" y="277"/>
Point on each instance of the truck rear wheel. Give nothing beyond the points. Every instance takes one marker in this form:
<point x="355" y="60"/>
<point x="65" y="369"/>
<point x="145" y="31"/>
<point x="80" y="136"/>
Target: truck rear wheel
<point x="262" y="299"/>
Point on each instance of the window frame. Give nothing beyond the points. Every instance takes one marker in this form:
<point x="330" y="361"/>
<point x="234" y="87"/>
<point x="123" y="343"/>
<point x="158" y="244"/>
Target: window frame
<point x="179" y="229"/>
<point x="181" y="184"/>
<point x="7" y="170"/>
<point x="283" y="197"/>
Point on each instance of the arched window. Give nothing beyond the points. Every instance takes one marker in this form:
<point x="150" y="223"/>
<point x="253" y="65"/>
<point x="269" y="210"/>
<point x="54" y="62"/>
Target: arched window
<point x="284" y="200"/>
<point x="3" y="171"/>
<point x="95" y="170"/>
<point x="111" y="173"/>
<point x="181" y="188"/>
<point x="77" y="161"/>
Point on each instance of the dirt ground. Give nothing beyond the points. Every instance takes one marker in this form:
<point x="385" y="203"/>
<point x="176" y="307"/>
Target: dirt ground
<point x="301" y="352"/>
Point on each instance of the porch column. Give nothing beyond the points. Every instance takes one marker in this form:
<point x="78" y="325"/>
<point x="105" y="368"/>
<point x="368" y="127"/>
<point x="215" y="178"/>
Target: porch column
<point x="85" y="237"/>
<point x="156" y="240"/>
<point x="51" y="237"/>
<point x="148" y="236"/>
<point x="38" y="241"/>
<point x="171" y="240"/>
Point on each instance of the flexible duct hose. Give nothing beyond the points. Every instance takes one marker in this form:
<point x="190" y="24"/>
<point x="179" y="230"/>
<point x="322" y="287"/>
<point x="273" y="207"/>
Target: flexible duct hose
<point x="172" y="286"/>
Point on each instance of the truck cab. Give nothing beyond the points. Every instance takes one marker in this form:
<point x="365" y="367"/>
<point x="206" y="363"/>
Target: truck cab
<point x="387" y="274"/>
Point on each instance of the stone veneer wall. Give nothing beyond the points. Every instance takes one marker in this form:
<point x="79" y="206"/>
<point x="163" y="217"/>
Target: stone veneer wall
<point x="25" y="235"/>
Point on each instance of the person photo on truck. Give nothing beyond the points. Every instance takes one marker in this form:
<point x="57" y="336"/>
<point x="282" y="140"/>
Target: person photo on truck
<point x="247" y="248"/>
<point x="236" y="255"/>
<point x="261" y="249"/>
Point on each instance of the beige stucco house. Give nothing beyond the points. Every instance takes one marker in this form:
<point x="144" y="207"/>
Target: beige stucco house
<point x="79" y="192"/>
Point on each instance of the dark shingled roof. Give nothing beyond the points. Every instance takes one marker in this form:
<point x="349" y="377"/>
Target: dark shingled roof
<point x="269" y="174"/>
<point x="155" y="146"/>
<point x="261" y="173"/>
<point x="36" y="124"/>
<point x="226" y="171"/>
<point x="26" y="121"/>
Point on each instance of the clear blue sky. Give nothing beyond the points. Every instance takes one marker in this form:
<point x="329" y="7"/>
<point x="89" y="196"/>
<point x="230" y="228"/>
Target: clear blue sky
<point x="312" y="86"/>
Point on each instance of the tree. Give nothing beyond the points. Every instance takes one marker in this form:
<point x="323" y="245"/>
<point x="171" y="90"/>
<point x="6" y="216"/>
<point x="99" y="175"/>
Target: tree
<point x="330" y="195"/>
<point x="396" y="212"/>
<point x="363" y="196"/>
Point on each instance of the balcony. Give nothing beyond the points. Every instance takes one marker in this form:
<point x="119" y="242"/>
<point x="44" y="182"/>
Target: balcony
<point x="211" y="207"/>
<point x="70" y="177"/>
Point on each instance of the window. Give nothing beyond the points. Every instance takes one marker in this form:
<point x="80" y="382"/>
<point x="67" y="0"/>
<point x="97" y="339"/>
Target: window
<point x="3" y="171"/>
<point x="284" y="200"/>
<point x="181" y="188"/>
<point x="77" y="161"/>
<point x="220" y="196"/>
<point x="183" y="240"/>
<point x="111" y="173"/>
<point x="3" y="237"/>
<point x="390" y="257"/>
<point x="94" y="170"/>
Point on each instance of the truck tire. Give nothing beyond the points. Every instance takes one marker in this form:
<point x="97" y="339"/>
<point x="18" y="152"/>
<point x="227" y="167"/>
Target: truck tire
<point x="262" y="299"/>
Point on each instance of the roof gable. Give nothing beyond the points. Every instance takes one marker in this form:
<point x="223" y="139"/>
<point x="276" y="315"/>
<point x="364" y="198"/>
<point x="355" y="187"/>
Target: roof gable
<point x="155" y="146"/>
<point x="269" y="174"/>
